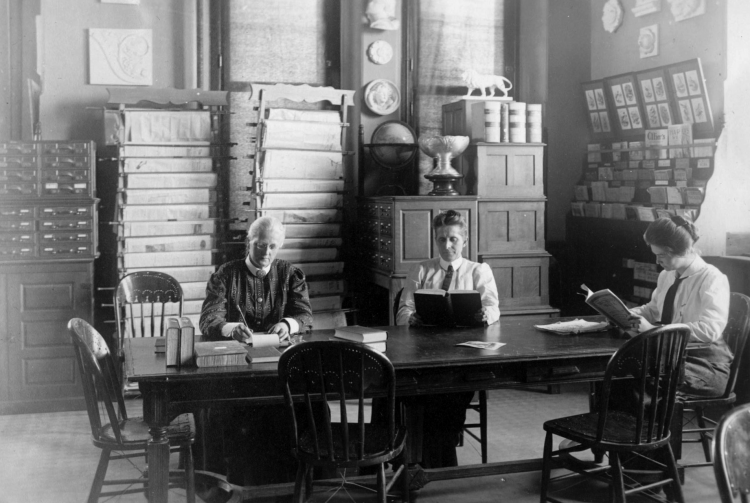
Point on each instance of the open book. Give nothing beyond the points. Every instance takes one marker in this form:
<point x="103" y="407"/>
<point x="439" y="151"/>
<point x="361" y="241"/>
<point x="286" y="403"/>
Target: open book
<point x="448" y="309"/>
<point x="610" y="305"/>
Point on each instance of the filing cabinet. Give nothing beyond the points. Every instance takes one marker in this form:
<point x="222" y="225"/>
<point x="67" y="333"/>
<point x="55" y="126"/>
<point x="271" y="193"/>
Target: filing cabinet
<point x="48" y="243"/>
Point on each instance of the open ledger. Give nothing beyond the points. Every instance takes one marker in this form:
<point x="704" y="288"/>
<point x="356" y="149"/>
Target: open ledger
<point x="609" y="305"/>
<point x="448" y="309"/>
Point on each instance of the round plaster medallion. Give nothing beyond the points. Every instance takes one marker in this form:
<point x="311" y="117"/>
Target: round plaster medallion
<point x="382" y="96"/>
<point x="380" y="52"/>
<point x="612" y="15"/>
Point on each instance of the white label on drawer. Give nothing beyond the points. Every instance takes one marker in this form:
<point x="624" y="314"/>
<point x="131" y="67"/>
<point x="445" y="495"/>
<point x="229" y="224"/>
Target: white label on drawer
<point x="48" y="236"/>
<point x="80" y="185"/>
<point x="25" y="224"/>
<point x="82" y="210"/>
<point x="82" y="236"/>
<point x="25" y="250"/>
<point x="83" y="248"/>
<point x="82" y="223"/>
<point x="24" y="211"/>
<point x="50" y="185"/>
<point x="48" y="249"/>
<point x="26" y="236"/>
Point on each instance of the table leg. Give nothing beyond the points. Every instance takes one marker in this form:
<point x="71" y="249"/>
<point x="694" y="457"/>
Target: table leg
<point x="155" y="414"/>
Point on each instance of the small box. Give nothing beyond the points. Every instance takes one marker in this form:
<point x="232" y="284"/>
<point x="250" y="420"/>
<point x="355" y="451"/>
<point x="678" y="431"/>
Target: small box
<point x="682" y="162"/>
<point x="693" y="195"/>
<point x="664" y="163"/>
<point x="703" y="163"/>
<point x="576" y="209"/>
<point x="645" y="174"/>
<point x="674" y="196"/>
<point x="618" y="211"/>
<point x="592" y="210"/>
<point x="680" y="174"/>
<point x="634" y="164"/>
<point x="599" y="191"/>
<point x="663" y="174"/>
<point x="606" y="174"/>
<point x="645" y="214"/>
<point x="636" y="152"/>
<point x="650" y="164"/>
<point x="658" y="194"/>
<point x="582" y="193"/>
<point x="606" y="210"/>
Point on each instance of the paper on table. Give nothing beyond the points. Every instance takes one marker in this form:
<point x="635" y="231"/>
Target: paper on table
<point x="482" y="345"/>
<point x="576" y="326"/>
<point x="261" y="340"/>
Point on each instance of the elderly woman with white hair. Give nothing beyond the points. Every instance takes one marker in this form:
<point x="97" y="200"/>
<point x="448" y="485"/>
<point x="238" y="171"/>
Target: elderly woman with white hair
<point x="271" y="296"/>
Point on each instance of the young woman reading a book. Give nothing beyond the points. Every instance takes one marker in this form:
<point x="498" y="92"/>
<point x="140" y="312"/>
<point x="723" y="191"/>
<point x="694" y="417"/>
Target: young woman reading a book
<point x="692" y="292"/>
<point x="444" y="416"/>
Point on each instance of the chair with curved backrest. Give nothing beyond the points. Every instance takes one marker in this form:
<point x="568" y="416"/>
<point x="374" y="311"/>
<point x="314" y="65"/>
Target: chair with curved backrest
<point x="339" y="370"/>
<point x="101" y="389"/>
<point x="736" y="335"/>
<point x="654" y="360"/>
<point x="480" y="406"/>
<point x="732" y="455"/>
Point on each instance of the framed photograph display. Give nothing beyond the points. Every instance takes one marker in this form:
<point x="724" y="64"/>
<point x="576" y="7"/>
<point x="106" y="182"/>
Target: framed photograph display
<point x="627" y="105"/>
<point x="598" y="110"/>
<point x="656" y="96"/>
<point x="689" y="97"/>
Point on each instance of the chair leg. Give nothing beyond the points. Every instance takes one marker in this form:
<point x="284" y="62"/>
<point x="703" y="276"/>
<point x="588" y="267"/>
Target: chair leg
<point x="676" y="487"/>
<point x="101" y="472"/>
<point x="299" y="483"/>
<point x="618" y="485"/>
<point x="483" y="423"/>
<point x="546" y="467"/>
<point x="405" y="482"/>
<point x="189" y="474"/>
<point x="381" y="483"/>
<point x="705" y="440"/>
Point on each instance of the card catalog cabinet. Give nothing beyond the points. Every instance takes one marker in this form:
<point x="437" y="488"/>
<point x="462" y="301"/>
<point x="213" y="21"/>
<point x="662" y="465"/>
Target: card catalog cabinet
<point x="48" y="242"/>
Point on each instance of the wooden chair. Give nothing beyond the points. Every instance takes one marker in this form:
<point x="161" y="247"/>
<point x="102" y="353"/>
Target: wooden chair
<point x="654" y="359"/>
<point x="141" y="307"/>
<point x="732" y="455"/>
<point x="479" y="406"/>
<point x="340" y="370"/>
<point x="104" y="401"/>
<point x="735" y="335"/>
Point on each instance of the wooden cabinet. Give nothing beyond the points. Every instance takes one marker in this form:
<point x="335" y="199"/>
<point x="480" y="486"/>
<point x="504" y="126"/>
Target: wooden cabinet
<point x="505" y="170"/>
<point x="37" y="365"/>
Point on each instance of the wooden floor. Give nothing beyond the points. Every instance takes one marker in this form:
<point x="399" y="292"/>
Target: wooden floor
<point x="49" y="457"/>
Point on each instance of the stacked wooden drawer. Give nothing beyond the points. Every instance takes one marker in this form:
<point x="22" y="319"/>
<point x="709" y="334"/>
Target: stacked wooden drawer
<point x="48" y="210"/>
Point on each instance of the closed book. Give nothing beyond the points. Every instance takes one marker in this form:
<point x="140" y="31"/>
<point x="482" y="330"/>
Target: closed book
<point x="220" y="354"/>
<point x="187" y="341"/>
<point x="172" y="337"/>
<point x="448" y="309"/>
<point x="377" y="346"/>
<point x="266" y="354"/>
<point x="358" y="333"/>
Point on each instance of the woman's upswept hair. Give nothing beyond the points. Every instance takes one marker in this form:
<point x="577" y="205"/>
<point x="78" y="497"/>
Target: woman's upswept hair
<point x="450" y="217"/>
<point x="265" y="225"/>
<point x="675" y="234"/>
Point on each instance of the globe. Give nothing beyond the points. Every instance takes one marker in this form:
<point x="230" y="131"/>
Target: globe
<point x="393" y="144"/>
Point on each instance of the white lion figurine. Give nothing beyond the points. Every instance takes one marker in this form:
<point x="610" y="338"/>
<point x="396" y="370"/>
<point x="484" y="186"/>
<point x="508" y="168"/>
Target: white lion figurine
<point x="476" y="80"/>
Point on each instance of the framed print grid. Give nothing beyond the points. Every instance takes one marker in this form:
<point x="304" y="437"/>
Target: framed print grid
<point x="656" y="96"/>
<point x="627" y="104"/>
<point x="598" y="110"/>
<point x="689" y="96"/>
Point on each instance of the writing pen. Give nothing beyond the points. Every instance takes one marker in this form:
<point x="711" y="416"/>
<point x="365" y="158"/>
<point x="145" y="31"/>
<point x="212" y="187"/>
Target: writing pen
<point x="244" y="321"/>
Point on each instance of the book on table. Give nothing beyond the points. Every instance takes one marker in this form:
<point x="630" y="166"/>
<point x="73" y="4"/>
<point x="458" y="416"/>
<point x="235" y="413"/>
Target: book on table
<point x="172" y="341"/>
<point x="220" y="353"/>
<point x="610" y="306"/>
<point x="448" y="309"/>
<point x="377" y="346"/>
<point x="357" y="333"/>
<point x="263" y="354"/>
<point x="187" y="341"/>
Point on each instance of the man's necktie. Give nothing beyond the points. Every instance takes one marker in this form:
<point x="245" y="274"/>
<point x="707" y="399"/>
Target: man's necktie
<point x="667" y="311"/>
<point x="448" y="278"/>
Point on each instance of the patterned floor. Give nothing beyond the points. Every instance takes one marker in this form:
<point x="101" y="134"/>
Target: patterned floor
<point x="49" y="457"/>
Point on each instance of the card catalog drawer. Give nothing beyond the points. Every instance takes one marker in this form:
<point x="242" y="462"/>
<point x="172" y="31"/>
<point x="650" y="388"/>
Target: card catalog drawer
<point x="66" y="148"/>
<point x="14" y="148"/>
<point x="66" y="162"/>
<point x="65" y="224"/>
<point x="17" y="252"/>
<point x="26" y="162"/>
<point x="16" y="237"/>
<point x="65" y="175"/>
<point x="64" y="237"/>
<point x="65" y="250"/>
<point x="18" y="188"/>
<point x="17" y="175"/>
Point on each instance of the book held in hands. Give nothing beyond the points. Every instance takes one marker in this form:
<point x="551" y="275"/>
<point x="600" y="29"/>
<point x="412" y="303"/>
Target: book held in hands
<point x="610" y="305"/>
<point x="358" y="333"/>
<point x="448" y="309"/>
<point x="220" y="354"/>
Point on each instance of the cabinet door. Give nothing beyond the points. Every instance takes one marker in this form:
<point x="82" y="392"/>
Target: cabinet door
<point x="41" y="361"/>
<point x="509" y="171"/>
<point x="511" y="226"/>
<point x="522" y="281"/>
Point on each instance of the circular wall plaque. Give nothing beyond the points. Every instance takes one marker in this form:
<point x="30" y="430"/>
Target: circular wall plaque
<point x="380" y="52"/>
<point x="382" y="96"/>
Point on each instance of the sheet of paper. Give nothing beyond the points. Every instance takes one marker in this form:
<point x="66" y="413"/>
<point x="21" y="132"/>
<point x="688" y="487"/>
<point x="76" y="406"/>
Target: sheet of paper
<point x="482" y="345"/>
<point x="576" y="326"/>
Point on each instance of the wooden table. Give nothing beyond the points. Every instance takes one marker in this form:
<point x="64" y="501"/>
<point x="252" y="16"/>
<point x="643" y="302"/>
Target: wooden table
<point x="426" y="361"/>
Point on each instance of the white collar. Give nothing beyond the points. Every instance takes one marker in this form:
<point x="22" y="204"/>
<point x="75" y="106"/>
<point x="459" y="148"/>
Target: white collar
<point x="456" y="263"/>
<point x="254" y="270"/>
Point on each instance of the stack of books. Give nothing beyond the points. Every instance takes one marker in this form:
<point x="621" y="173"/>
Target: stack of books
<point x="373" y="337"/>
<point x="179" y="337"/>
<point x="220" y="354"/>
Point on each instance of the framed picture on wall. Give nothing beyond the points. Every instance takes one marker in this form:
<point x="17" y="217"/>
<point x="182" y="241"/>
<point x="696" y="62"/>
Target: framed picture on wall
<point x="656" y="98"/>
<point x="689" y="98"/>
<point x="601" y="121"/>
<point x="628" y="104"/>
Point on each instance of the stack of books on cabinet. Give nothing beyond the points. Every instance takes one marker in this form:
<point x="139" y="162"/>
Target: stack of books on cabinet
<point x="508" y="179"/>
<point x="48" y="243"/>
<point x="299" y="178"/>
<point x="168" y="214"/>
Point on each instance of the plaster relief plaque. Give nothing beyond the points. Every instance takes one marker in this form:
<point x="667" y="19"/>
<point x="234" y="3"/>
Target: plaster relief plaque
<point x="120" y="57"/>
<point x="380" y="52"/>
<point x="648" y="41"/>
<point x="612" y="15"/>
